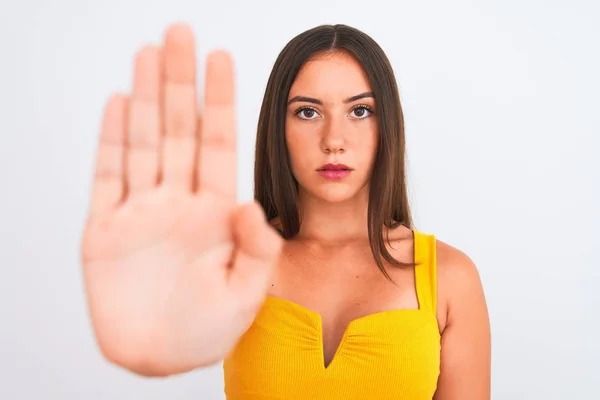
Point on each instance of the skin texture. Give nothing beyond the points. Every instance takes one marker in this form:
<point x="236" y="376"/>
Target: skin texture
<point x="328" y="266"/>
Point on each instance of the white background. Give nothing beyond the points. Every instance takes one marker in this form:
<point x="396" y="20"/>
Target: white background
<point x="502" y="121"/>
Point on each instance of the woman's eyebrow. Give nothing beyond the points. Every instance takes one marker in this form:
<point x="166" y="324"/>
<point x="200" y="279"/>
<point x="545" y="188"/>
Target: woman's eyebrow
<point x="306" y="99"/>
<point x="359" y="96"/>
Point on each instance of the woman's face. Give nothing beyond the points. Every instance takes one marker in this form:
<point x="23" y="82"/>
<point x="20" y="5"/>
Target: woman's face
<point x="330" y="120"/>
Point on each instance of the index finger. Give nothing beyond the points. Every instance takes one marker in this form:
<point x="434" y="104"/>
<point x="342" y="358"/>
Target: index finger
<point x="217" y="142"/>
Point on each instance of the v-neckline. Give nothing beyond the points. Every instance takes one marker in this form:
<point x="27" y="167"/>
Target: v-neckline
<point x="319" y="319"/>
<point x="315" y="315"/>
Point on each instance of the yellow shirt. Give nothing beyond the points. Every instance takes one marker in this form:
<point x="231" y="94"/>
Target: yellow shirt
<point x="387" y="355"/>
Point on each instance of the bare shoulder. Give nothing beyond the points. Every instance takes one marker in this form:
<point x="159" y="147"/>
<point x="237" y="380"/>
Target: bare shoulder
<point x="455" y="269"/>
<point x="466" y="337"/>
<point x="459" y="283"/>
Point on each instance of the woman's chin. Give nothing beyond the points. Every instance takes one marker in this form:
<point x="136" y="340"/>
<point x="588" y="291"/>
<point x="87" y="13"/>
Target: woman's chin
<point x="336" y="194"/>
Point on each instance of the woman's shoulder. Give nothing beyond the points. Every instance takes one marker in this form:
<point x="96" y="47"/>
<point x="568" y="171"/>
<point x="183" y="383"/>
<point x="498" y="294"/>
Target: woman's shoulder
<point x="459" y="286"/>
<point x="455" y="270"/>
<point x="451" y="262"/>
<point x="455" y="267"/>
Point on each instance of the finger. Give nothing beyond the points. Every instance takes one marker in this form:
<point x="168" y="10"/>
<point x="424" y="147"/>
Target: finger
<point x="108" y="186"/>
<point x="258" y="248"/>
<point x="179" y="145"/>
<point x="144" y="122"/>
<point x="217" y="147"/>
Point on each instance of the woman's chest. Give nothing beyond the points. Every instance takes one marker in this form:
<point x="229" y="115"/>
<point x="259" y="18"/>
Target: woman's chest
<point x="393" y="354"/>
<point x="341" y="286"/>
<point x="343" y="281"/>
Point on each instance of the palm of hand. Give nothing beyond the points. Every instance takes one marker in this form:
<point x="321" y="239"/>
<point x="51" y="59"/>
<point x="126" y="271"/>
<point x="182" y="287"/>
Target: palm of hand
<point x="174" y="269"/>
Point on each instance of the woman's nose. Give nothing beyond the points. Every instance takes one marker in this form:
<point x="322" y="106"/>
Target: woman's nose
<point x="333" y="137"/>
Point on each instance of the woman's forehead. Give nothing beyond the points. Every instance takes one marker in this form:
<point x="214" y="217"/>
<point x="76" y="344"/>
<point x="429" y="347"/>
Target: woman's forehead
<point x="330" y="77"/>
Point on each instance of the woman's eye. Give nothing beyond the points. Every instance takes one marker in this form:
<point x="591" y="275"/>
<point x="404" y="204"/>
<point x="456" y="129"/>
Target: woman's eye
<point x="307" y="113"/>
<point x="361" y="112"/>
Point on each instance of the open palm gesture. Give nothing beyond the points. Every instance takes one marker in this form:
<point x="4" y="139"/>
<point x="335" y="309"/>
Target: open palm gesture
<point x="174" y="269"/>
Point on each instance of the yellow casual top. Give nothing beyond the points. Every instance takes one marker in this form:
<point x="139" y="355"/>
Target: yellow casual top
<point x="387" y="355"/>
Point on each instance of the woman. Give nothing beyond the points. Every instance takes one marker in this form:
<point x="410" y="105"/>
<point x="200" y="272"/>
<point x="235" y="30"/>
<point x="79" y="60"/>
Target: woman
<point x="333" y="294"/>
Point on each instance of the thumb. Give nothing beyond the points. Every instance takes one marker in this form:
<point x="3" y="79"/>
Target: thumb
<point x="257" y="250"/>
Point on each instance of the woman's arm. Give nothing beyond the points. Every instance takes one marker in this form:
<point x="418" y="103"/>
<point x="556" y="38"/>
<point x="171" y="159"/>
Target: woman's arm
<point x="466" y="338"/>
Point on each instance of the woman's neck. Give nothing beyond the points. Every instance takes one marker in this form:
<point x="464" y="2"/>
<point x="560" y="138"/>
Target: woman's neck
<point x="333" y="223"/>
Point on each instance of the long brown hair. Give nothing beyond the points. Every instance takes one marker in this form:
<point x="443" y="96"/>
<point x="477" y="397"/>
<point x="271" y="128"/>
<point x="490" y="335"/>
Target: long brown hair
<point x="275" y="187"/>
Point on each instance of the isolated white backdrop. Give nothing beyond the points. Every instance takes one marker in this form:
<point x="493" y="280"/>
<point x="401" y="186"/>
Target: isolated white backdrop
<point x="502" y="122"/>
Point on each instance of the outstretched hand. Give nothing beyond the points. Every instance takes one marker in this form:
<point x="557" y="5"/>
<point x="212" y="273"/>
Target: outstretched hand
<point x="174" y="269"/>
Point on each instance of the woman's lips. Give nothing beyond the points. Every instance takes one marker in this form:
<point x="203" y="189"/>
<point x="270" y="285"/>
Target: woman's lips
<point x="334" y="171"/>
<point x="334" y="174"/>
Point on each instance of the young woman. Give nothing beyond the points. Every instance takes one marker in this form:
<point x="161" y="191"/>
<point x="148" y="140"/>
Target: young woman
<point x="319" y="289"/>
